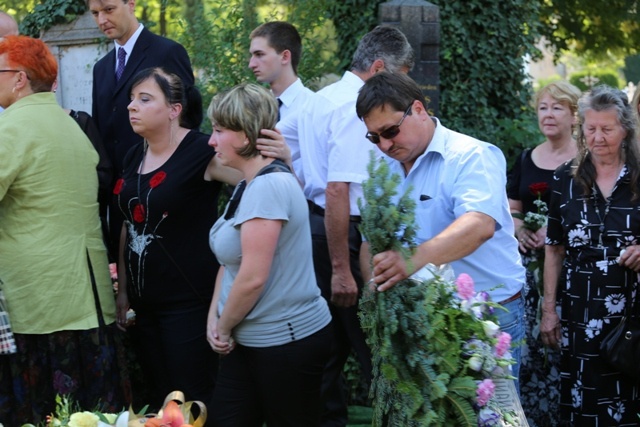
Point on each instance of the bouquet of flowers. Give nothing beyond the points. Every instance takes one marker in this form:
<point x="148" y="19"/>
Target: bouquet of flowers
<point x="436" y="344"/>
<point x="534" y="260"/>
<point x="534" y="221"/>
<point x="174" y="413"/>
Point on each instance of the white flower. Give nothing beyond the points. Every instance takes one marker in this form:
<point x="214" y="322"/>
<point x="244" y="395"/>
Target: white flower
<point x="564" y="340"/>
<point x="83" y="419"/>
<point x="603" y="265"/>
<point x="593" y="328"/>
<point x="627" y="241"/>
<point x="615" y="303"/>
<point x="578" y="237"/>
<point x="490" y="328"/>
<point x="576" y="397"/>
<point x="616" y="410"/>
<point x="475" y="363"/>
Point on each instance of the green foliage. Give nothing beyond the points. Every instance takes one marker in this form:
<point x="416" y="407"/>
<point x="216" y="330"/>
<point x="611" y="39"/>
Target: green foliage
<point x="592" y="28"/>
<point x="484" y="89"/>
<point x="352" y="19"/>
<point x="218" y="40"/>
<point x="605" y="77"/>
<point x="632" y="68"/>
<point x="404" y="325"/>
<point x="513" y="135"/>
<point x="385" y="224"/>
<point x="50" y="13"/>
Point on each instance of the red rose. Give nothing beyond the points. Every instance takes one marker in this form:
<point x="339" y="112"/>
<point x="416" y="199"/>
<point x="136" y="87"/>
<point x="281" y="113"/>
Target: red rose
<point x="138" y="213"/>
<point x="157" y="179"/>
<point x="538" y="188"/>
<point x="118" y="187"/>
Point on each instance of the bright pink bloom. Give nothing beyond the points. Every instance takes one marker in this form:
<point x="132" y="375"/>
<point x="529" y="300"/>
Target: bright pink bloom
<point x="464" y="283"/>
<point x="503" y="345"/>
<point x="485" y="391"/>
<point x="113" y="271"/>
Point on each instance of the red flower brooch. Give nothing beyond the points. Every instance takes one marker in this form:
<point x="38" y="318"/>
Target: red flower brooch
<point x="157" y="179"/>
<point x="118" y="187"/>
<point x="139" y="213"/>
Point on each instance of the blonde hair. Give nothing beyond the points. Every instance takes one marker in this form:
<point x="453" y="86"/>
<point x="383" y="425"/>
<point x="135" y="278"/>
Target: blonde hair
<point x="247" y="108"/>
<point x="561" y="91"/>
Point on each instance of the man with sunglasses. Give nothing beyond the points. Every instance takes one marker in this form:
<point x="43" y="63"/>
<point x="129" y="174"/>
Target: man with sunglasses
<point x="332" y="167"/>
<point x="459" y="186"/>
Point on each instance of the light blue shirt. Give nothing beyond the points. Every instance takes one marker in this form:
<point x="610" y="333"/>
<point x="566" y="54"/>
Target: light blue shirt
<point x="459" y="174"/>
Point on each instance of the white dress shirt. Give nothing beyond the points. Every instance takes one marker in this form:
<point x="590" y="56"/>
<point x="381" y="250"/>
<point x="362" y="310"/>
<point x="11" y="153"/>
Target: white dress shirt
<point x="333" y="146"/>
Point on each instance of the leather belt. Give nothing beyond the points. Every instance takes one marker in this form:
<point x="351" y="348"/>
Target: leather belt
<point x="511" y="298"/>
<point x="315" y="209"/>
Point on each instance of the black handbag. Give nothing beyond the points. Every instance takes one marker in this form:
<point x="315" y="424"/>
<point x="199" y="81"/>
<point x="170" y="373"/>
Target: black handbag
<point x="621" y="347"/>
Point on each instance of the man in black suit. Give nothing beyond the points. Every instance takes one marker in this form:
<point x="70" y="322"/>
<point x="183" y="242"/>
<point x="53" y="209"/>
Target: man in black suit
<point x="113" y="73"/>
<point x="117" y="20"/>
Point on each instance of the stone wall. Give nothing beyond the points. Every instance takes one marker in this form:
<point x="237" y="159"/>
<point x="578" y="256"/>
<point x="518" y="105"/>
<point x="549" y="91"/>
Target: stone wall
<point x="77" y="46"/>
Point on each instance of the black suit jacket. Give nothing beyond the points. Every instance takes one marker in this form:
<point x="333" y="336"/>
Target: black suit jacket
<point x="111" y="98"/>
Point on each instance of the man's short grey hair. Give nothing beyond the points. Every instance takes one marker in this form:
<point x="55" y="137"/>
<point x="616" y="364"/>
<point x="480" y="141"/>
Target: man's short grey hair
<point x="385" y="43"/>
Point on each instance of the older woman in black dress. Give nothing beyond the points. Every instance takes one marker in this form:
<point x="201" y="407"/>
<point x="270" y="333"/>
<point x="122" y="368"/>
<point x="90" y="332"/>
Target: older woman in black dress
<point x="592" y="240"/>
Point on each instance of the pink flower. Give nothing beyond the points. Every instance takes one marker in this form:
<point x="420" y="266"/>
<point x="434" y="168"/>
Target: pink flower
<point x="504" y="343"/>
<point x="113" y="271"/>
<point x="485" y="391"/>
<point x="464" y="283"/>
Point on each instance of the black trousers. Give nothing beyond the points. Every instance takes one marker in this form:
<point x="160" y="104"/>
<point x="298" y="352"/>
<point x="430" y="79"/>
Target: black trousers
<point x="279" y="386"/>
<point x="346" y="325"/>
<point x="174" y="354"/>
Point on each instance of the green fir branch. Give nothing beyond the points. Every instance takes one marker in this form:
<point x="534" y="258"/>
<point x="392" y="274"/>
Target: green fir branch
<point x="414" y="333"/>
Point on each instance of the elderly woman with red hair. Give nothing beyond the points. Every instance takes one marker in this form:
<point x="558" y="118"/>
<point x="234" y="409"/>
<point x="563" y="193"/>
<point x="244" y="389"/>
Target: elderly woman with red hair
<point x="53" y="263"/>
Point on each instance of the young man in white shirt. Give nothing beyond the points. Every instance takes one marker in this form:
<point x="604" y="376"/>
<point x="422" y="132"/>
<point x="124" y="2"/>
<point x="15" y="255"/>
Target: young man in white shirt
<point x="276" y="48"/>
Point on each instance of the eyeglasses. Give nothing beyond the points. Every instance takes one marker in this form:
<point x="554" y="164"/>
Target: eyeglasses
<point x="390" y="132"/>
<point x="16" y="71"/>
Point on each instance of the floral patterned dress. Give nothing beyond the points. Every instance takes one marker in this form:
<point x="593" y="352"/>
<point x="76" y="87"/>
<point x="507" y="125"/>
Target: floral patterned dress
<point x="594" y="231"/>
<point x="540" y="366"/>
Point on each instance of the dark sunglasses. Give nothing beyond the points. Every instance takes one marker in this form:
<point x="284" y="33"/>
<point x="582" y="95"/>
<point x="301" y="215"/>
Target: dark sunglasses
<point x="390" y="132"/>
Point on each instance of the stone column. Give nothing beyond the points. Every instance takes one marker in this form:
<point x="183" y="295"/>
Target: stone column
<point x="419" y="20"/>
<point x="77" y="46"/>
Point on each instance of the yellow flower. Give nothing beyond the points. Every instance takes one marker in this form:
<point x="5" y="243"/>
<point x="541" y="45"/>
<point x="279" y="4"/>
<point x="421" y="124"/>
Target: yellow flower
<point x="83" y="419"/>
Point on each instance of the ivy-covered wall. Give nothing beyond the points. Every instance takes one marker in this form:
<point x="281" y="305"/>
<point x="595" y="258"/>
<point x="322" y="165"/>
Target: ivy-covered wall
<point x="49" y="13"/>
<point x="485" y="91"/>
